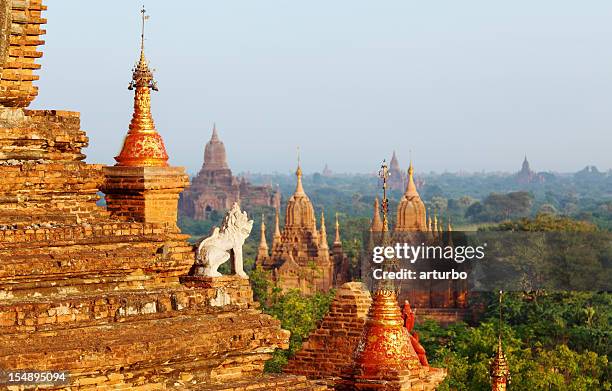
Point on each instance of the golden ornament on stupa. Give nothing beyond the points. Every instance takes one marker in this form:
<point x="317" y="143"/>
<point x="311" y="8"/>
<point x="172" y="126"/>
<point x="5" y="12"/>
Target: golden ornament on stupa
<point x="142" y="146"/>
<point x="385" y="343"/>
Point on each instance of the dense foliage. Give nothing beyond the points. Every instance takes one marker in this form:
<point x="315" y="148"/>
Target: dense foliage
<point x="546" y="222"/>
<point x="556" y="341"/>
<point x="298" y="313"/>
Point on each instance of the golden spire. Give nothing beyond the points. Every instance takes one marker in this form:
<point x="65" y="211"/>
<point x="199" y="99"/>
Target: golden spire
<point x="337" y="239"/>
<point x="411" y="190"/>
<point x="449" y="228"/>
<point x="323" y="238"/>
<point x="298" y="173"/>
<point x="277" y="234"/>
<point x="142" y="146"/>
<point x="429" y="227"/>
<point x="500" y="372"/>
<point x="263" y="244"/>
<point x="383" y="173"/>
<point x="376" y="225"/>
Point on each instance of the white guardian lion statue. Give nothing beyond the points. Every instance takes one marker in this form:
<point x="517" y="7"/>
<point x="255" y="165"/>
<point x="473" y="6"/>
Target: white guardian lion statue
<point x="224" y="243"/>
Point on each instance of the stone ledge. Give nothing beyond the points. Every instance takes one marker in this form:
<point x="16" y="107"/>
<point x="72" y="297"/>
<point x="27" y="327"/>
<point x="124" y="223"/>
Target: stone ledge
<point x="228" y="281"/>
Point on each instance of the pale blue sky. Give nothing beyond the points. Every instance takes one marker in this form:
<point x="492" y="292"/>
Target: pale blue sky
<point x="466" y="85"/>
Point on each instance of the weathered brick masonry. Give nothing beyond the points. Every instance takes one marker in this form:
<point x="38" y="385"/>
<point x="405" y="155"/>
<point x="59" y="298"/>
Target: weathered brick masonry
<point x="102" y="293"/>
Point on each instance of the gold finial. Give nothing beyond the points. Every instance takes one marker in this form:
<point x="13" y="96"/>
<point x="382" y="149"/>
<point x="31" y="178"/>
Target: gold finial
<point x="142" y="76"/>
<point x="299" y="189"/>
<point x="298" y="172"/>
<point x="142" y="35"/>
<point x="411" y="191"/>
<point x="383" y="173"/>
<point x="143" y="146"/>
<point x="410" y="168"/>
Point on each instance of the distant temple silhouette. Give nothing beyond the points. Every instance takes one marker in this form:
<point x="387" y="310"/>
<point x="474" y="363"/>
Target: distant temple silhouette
<point x="397" y="178"/>
<point x="215" y="188"/>
<point x="527" y="176"/>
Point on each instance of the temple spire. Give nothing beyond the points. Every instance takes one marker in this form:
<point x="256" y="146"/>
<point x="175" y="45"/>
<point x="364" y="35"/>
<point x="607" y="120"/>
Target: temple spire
<point x="299" y="189"/>
<point x="376" y="225"/>
<point x="262" y="251"/>
<point x="277" y="234"/>
<point x="215" y="135"/>
<point x="323" y="232"/>
<point x="142" y="146"/>
<point x="337" y="240"/>
<point x="411" y="190"/>
<point x="383" y="174"/>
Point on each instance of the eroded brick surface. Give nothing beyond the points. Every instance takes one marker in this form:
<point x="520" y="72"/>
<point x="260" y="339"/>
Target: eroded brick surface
<point x="106" y="297"/>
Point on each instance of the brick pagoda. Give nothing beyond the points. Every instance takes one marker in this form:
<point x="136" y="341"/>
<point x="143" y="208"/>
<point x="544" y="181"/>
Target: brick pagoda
<point x="300" y="257"/>
<point x="216" y="189"/>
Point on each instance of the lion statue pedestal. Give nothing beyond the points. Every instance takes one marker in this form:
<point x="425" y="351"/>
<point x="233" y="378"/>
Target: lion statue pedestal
<point x="224" y="244"/>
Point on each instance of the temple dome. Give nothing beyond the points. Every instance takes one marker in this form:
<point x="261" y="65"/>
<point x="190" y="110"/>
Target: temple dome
<point x="215" y="157"/>
<point x="411" y="215"/>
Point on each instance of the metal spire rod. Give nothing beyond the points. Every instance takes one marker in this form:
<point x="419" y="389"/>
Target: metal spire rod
<point x="142" y="34"/>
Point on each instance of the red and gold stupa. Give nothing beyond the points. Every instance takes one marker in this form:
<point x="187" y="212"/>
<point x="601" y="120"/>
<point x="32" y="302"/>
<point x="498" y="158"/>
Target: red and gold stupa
<point x="142" y="146"/>
<point x="385" y="344"/>
<point x="142" y="186"/>
<point x="385" y="357"/>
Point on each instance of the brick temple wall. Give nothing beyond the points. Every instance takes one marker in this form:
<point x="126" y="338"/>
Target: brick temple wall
<point x="104" y="298"/>
<point x="329" y="350"/>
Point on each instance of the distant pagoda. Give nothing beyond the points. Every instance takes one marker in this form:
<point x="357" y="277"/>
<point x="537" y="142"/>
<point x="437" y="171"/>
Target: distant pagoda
<point x="397" y="177"/>
<point x="215" y="188"/>
<point x="300" y="256"/>
<point x="526" y="175"/>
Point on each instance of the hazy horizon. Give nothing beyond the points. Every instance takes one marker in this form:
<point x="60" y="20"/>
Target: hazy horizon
<point x="465" y="86"/>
